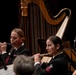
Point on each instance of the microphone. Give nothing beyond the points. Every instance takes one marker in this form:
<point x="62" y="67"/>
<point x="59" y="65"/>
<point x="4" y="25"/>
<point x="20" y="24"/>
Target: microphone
<point x="74" y="47"/>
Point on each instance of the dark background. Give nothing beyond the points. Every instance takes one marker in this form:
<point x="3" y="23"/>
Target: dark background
<point x="55" y="6"/>
<point x="9" y="11"/>
<point x="9" y="15"/>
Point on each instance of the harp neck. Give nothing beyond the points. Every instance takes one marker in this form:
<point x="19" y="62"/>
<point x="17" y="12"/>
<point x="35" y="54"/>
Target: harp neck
<point x="54" y="20"/>
<point x="64" y="24"/>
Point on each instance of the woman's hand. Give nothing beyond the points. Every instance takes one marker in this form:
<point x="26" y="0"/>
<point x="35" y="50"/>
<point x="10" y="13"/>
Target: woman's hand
<point x="37" y="57"/>
<point x="74" y="73"/>
<point x="3" y="46"/>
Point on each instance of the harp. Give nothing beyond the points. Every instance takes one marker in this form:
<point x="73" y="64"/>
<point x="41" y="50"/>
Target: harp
<point x="57" y="24"/>
<point x="64" y="15"/>
<point x="62" y="18"/>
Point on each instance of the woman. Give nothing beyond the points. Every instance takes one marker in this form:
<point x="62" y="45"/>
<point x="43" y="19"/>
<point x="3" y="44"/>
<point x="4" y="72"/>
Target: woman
<point x="18" y="47"/>
<point x="58" y="65"/>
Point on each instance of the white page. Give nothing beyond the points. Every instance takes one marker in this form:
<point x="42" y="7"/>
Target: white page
<point x="9" y="71"/>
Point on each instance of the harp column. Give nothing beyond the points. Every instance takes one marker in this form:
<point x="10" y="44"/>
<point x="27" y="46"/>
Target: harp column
<point x="24" y="20"/>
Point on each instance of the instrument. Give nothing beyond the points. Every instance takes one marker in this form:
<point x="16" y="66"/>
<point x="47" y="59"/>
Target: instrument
<point x="44" y="57"/>
<point x="41" y="55"/>
<point x="9" y="44"/>
<point x="38" y="26"/>
<point x="46" y="54"/>
<point x="55" y="20"/>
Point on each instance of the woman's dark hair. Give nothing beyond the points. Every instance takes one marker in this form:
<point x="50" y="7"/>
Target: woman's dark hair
<point x="56" y="40"/>
<point x="19" y="32"/>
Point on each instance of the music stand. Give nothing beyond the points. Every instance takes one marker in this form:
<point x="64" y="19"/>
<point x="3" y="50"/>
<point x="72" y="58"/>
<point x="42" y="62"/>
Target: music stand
<point x="42" y="44"/>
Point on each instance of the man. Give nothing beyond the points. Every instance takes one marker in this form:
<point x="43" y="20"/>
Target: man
<point x="23" y="65"/>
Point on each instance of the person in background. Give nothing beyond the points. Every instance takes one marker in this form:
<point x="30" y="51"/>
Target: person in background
<point x="17" y="39"/>
<point x="58" y="65"/>
<point x="23" y="65"/>
<point x="74" y="73"/>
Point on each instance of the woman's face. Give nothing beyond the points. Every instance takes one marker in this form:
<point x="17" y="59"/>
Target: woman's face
<point x="51" y="48"/>
<point x="15" y="40"/>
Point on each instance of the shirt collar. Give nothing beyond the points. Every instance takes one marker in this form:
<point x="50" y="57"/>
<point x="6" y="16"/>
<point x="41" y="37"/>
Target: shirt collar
<point x="57" y="54"/>
<point x="19" y="47"/>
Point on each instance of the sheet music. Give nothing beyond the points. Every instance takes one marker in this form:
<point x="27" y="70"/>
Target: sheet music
<point x="9" y="71"/>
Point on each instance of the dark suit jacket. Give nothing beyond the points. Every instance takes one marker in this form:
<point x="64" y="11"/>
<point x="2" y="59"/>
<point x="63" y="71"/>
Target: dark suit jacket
<point x="8" y="58"/>
<point x="57" y="66"/>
